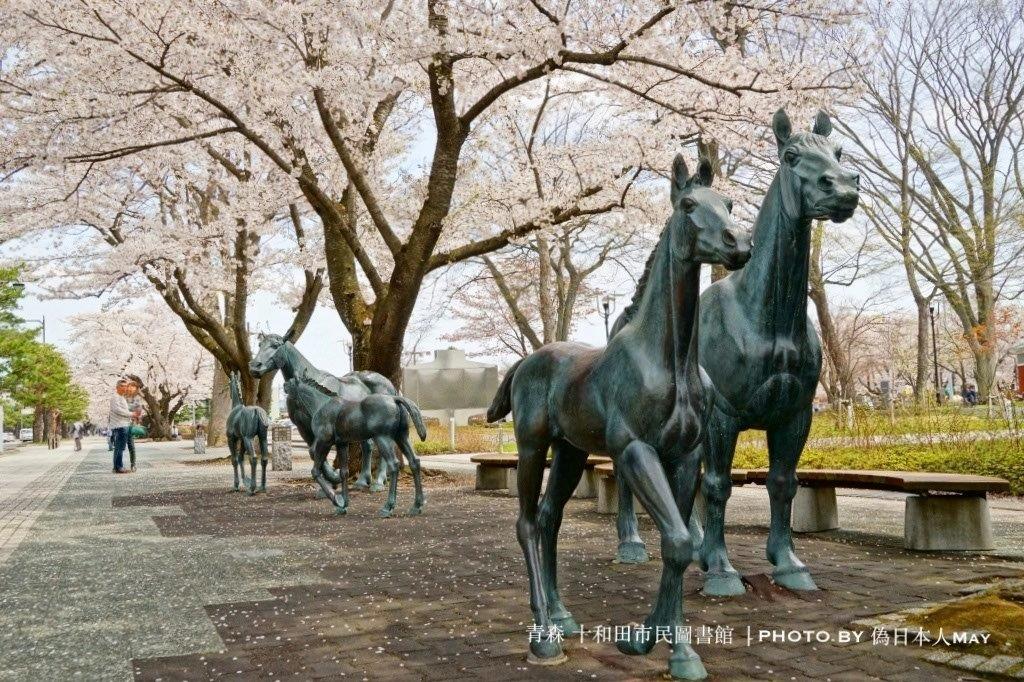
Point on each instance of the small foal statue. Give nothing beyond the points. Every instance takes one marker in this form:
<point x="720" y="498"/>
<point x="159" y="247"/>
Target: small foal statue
<point x="335" y="422"/>
<point x="246" y="422"/>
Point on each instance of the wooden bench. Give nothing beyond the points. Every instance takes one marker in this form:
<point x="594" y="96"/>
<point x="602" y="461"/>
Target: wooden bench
<point x="955" y="519"/>
<point x="500" y="472"/>
<point x="608" y="492"/>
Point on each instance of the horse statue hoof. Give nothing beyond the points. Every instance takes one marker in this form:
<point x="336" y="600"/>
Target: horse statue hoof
<point x="362" y="487"/>
<point x="415" y="511"/>
<point x="376" y="488"/>
<point x="545" y="653"/>
<point x="251" y="492"/>
<point x="634" y="646"/>
<point x="340" y="511"/>
<point x="723" y="584"/>
<point x="263" y="488"/>
<point x="795" y="579"/>
<point x="686" y="668"/>
<point x="568" y="625"/>
<point x="632" y="553"/>
<point x="385" y="513"/>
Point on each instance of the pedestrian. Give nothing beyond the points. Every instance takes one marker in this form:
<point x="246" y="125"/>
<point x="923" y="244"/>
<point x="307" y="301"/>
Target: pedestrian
<point x="77" y="431"/>
<point x="119" y="421"/>
<point x="135" y="406"/>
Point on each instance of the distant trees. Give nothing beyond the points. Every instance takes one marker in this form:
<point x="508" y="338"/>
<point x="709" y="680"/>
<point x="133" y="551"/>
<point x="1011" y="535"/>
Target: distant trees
<point x="34" y="374"/>
<point x="149" y="344"/>
<point x="939" y="134"/>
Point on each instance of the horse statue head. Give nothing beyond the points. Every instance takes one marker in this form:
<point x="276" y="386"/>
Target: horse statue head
<point x="268" y="357"/>
<point x="701" y="226"/>
<point x="814" y="184"/>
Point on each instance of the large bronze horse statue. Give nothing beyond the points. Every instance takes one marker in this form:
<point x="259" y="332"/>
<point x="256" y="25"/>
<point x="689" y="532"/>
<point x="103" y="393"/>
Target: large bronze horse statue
<point x="278" y="352"/>
<point x="762" y="353"/>
<point x="640" y="400"/>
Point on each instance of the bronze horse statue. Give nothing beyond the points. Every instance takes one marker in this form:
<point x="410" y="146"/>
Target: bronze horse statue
<point x="762" y="353"/>
<point x="278" y="352"/>
<point x="640" y="400"/>
<point x="336" y="422"/>
<point x="244" y="423"/>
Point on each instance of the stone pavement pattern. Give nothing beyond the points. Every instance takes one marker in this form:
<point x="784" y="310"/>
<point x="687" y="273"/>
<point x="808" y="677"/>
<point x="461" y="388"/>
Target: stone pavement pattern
<point x="165" y="575"/>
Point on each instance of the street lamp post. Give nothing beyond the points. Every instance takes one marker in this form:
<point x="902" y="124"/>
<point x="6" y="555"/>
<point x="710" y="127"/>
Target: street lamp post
<point x="605" y="307"/>
<point x="935" y="357"/>
<point x="42" y="324"/>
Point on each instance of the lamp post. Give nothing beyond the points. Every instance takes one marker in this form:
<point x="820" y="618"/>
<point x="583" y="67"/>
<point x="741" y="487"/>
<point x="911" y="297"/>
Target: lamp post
<point x="605" y="307"/>
<point x="935" y="357"/>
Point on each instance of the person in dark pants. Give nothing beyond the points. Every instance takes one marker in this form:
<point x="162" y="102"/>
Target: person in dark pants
<point x="120" y="421"/>
<point x="134" y="401"/>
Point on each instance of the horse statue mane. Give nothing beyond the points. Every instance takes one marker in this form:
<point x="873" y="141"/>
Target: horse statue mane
<point x="634" y="304"/>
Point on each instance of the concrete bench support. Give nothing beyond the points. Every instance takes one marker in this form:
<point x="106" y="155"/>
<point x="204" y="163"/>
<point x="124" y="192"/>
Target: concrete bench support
<point x="587" y="487"/>
<point x="947" y="523"/>
<point x="814" y="510"/>
<point x="607" y="495"/>
<point x="512" y="481"/>
<point x="490" y="477"/>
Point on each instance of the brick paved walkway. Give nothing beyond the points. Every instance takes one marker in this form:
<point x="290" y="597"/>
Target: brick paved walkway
<point x="443" y="596"/>
<point x="31" y="477"/>
<point x="166" y="576"/>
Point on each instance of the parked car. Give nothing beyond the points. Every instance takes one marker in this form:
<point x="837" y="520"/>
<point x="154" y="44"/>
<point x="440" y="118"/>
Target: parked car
<point x="25" y="435"/>
<point x="10" y="437"/>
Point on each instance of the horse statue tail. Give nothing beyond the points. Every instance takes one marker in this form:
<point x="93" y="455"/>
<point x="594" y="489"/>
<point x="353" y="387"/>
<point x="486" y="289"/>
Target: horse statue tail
<point x="502" y="403"/>
<point x="262" y="415"/>
<point x="414" y="412"/>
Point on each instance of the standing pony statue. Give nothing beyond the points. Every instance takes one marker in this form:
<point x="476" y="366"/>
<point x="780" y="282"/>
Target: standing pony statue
<point x="246" y="422"/>
<point x="278" y="352"/>
<point x="335" y="422"/>
<point x="641" y="400"/>
<point x="762" y="353"/>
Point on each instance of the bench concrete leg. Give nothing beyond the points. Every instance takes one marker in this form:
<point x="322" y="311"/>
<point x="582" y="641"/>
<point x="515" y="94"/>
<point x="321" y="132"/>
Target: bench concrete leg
<point x="587" y="487"/>
<point x="947" y="522"/>
<point x="512" y="481"/>
<point x="814" y="510"/>
<point x="490" y="478"/>
<point x="607" y="495"/>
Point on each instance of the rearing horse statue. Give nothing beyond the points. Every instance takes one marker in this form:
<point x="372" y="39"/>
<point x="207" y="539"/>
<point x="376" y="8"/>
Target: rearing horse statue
<point x="640" y="400"/>
<point x="278" y="352"/>
<point x="762" y="354"/>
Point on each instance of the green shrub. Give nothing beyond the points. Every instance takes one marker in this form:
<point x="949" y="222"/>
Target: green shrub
<point x="1003" y="458"/>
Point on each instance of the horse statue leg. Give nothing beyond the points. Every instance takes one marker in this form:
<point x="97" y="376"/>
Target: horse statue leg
<point x="251" y="452"/>
<point x="784" y="447"/>
<point x="233" y="456"/>
<point x="566" y="469"/>
<point x="533" y="452"/>
<point x="649" y="477"/>
<point x="719" y="446"/>
<point x="631" y="547"/>
<point x="320" y="452"/>
<point x="377" y="484"/>
<point x="414" y="464"/>
<point x="363" y="479"/>
<point x="264" y="455"/>
<point x="387" y="455"/>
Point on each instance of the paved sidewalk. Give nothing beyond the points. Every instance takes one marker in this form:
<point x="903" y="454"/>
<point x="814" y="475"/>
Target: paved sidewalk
<point x="165" y="575"/>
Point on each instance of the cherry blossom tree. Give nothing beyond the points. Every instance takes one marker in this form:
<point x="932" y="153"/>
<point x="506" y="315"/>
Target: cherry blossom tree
<point x="388" y="117"/>
<point x="149" y="344"/>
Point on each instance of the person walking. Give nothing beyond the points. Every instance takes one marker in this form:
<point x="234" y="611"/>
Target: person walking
<point x="134" y="401"/>
<point x="77" y="431"/>
<point x="119" y="421"/>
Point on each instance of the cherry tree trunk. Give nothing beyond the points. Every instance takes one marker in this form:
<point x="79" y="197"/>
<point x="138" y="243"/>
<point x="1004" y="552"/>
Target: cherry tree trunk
<point x="220" y="405"/>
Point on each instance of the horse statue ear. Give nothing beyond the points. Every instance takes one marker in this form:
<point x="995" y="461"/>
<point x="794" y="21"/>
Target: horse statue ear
<point x="822" y="124"/>
<point x="705" y="172"/>
<point x="680" y="176"/>
<point x="782" y="127"/>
